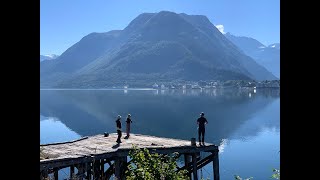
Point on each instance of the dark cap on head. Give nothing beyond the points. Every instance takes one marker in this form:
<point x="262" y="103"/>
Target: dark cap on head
<point x="202" y="114"/>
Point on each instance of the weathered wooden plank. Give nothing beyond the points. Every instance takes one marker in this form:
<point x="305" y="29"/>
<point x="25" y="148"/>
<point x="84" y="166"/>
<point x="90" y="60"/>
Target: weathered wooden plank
<point x="203" y="162"/>
<point x="97" y="149"/>
<point x="64" y="162"/>
<point x="200" y="163"/>
<point x="67" y="142"/>
<point x="182" y="150"/>
<point x="45" y="164"/>
<point x="99" y="144"/>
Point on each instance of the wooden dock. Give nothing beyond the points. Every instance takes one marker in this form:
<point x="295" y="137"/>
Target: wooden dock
<point x="89" y="155"/>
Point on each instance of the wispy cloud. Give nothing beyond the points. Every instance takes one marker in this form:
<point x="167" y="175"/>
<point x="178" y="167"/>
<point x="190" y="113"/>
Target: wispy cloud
<point x="220" y="27"/>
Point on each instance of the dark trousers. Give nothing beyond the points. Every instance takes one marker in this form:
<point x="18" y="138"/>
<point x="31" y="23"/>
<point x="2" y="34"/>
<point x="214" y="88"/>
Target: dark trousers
<point x="119" y="135"/>
<point x="201" y="131"/>
<point x="128" y="129"/>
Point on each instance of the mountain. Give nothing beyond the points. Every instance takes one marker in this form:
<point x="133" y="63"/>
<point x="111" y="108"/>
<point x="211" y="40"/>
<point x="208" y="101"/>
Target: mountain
<point x="267" y="56"/>
<point x="48" y="57"/>
<point x="154" y="47"/>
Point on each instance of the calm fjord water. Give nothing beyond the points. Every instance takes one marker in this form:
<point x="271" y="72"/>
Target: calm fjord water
<point x="246" y="124"/>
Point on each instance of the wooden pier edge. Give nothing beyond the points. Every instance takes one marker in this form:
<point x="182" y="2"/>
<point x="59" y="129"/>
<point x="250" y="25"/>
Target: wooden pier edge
<point x="91" y="165"/>
<point x="66" y="142"/>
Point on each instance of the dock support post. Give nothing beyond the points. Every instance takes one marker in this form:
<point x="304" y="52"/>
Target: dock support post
<point x="123" y="167"/>
<point x="120" y="167"/>
<point x="81" y="170"/>
<point x="88" y="168"/>
<point x="56" y="174"/>
<point x="102" y="168"/>
<point x="117" y="169"/>
<point x="96" y="169"/>
<point x="71" y="171"/>
<point x="44" y="174"/>
<point x="194" y="163"/>
<point x="215" y="163"/>
<point x="187" y="160"/>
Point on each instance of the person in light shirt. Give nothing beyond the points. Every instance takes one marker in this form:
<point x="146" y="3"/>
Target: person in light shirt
<point x="128" y="121"/>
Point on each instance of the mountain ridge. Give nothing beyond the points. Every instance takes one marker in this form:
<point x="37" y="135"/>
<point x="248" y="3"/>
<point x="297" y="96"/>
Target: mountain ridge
<point x="267" y="56"/>
<point x="153" y="46"/>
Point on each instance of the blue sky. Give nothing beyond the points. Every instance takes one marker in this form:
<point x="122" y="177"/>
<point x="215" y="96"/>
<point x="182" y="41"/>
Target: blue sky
<point x="65" y="22"/>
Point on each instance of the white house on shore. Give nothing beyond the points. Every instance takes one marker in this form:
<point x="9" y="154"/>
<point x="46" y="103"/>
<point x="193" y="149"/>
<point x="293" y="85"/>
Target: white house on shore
<point x="155" y="86"/>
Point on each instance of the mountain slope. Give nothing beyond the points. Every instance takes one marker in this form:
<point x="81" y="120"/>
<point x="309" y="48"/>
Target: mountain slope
<point x="162" y="46"/>
<point x="267" y="56"/>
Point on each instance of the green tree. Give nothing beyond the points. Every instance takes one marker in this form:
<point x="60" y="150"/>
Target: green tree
<point x="236" y="177"/>
<point x="276" y="174"/>
<point x="150" y="166"/>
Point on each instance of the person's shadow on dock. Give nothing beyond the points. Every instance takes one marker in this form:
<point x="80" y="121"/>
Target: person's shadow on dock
<point x="116" y="146"/>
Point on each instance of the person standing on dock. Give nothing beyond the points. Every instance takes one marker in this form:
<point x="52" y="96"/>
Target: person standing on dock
<point x="129" y="121"/>
<point x="118" y="122"/>
<point x="202" y="121"/>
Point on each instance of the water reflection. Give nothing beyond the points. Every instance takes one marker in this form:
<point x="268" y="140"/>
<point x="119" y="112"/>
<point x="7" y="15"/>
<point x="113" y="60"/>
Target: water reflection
<point x="222" y="145"/>
<point x="171" y="113"/>
<point x="246" y="128"/>
<point x="52" y="130"/>
<point x="218" y="92"/>
<point x="255" y="157"/>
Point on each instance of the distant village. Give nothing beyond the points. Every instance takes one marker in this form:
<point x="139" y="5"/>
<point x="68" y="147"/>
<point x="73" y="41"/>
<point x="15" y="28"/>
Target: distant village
<point x="215" y="84"/>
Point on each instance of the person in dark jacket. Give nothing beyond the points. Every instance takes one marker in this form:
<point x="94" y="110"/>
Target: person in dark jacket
<point x="129" y="121"/>
<point x="202" y="121"/>
<point x="118" y="122"/>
